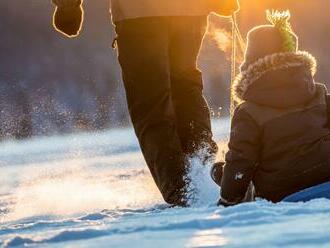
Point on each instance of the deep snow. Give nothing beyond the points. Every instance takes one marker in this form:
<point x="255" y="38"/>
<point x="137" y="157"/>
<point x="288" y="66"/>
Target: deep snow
<point x="94" y="190"/>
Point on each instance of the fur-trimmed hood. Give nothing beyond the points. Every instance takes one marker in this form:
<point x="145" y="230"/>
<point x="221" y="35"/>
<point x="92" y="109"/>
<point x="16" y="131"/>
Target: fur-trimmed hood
<point x="277" y="80"/>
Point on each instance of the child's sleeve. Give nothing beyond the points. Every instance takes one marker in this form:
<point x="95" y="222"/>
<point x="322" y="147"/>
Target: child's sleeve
<point x="241" y="159"/>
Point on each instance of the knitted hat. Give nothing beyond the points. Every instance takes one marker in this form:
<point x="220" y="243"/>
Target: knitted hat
<point x="264" y="40"/>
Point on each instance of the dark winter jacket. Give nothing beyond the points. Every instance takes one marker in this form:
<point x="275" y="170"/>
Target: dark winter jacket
<point x="129" y="9"/>
<point x="279" y="135"/>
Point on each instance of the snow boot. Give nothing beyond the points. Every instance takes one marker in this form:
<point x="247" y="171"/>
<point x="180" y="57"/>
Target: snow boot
<point x="216" y="172"/>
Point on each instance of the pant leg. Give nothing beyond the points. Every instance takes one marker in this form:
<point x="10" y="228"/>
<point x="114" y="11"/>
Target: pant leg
<point x="191" y="109"/>
<point x="144" y="59"/>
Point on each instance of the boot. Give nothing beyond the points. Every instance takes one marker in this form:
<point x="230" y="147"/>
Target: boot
<point x="216" y="172"/>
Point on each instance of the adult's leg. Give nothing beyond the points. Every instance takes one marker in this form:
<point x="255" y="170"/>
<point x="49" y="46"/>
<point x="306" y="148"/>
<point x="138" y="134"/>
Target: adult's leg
<point x="192" y="111"/>
<point x="143" y="56"/>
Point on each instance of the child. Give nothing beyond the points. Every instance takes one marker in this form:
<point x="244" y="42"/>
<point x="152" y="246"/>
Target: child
<point x="279" y="136"/>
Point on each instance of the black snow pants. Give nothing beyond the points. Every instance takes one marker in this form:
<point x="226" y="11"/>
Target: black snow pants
<point x="164" y="93"/>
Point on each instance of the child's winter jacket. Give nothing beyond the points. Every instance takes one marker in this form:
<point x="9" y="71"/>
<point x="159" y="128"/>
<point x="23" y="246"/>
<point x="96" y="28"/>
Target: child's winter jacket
<point x="279" y="136"/>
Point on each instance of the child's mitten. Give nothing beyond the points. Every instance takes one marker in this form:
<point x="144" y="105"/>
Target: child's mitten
<point x="68" y="16"/>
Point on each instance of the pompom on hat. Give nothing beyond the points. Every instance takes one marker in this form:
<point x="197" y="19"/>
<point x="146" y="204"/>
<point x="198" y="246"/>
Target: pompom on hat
<point x="276" y="37"/>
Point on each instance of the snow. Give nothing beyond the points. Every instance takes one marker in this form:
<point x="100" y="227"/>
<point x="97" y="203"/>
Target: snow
<point x="94" y="190"/>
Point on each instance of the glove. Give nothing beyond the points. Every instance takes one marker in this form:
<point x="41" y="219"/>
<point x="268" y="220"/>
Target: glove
<point x="249" y="197"/>
<point x="68" y="17"/>
<point x="227" y="7"/>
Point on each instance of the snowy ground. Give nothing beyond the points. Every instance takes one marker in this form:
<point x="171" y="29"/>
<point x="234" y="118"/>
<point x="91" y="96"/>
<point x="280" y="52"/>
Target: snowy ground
<point x="93" y="190"/>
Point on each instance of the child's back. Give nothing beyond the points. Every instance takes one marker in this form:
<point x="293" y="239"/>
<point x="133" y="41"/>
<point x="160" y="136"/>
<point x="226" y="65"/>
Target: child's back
<point x="279" y="139"/>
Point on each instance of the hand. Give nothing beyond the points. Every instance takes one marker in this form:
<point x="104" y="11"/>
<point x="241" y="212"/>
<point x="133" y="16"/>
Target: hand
<point x="68" y="18"/>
